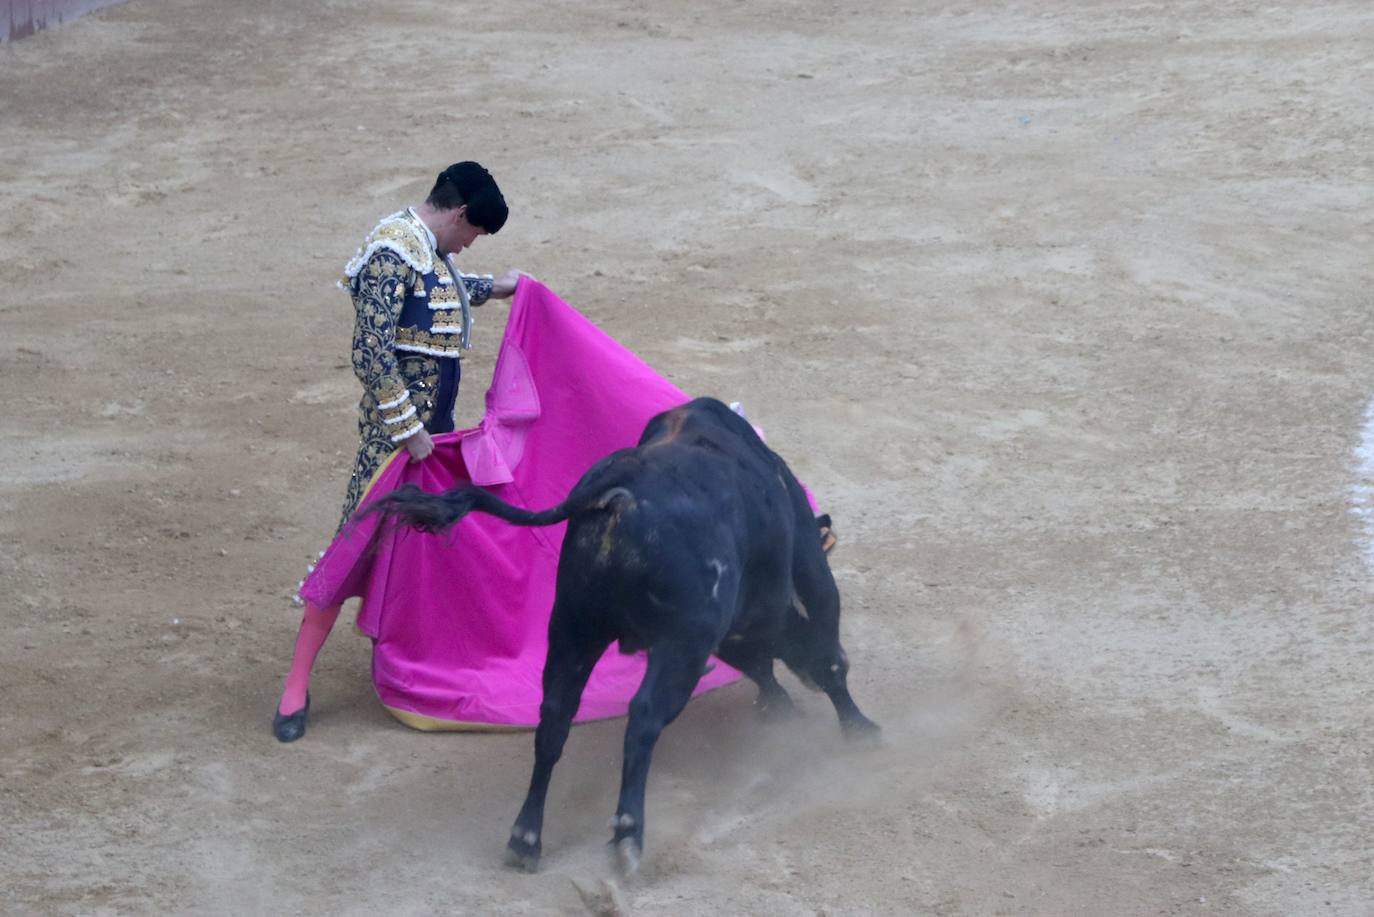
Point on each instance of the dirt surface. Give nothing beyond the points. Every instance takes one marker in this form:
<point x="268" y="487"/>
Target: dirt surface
<point x="1061" y="306"/>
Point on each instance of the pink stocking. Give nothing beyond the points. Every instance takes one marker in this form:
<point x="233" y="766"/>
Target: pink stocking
<point x="315" y="627"/>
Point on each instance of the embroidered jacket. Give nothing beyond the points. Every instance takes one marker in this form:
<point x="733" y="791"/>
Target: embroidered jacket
<point x="406" y="303"/>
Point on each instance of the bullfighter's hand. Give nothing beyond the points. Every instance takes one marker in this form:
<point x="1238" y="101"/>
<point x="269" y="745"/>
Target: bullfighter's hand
<point x="419" y="445"/>
<point x="504" y="286"/>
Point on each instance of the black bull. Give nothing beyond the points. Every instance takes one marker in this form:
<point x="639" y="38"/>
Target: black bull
<point x="698" y="541"/>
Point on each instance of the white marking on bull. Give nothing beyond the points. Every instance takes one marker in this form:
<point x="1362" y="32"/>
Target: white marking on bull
<point x="612" y="494"/>
<point x="720" y="569"/>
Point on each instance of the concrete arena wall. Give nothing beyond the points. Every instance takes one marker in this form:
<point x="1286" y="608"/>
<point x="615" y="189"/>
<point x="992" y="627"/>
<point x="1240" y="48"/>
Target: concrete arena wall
<point x="21" y="18"/>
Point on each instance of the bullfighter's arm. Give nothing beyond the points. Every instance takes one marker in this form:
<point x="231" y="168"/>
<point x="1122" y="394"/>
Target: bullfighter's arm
<point x="479" y="287"/>
<point x="378" y="293"/>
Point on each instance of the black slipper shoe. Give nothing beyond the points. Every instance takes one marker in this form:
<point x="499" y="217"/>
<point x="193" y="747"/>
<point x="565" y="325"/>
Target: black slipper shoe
<point x="290" y="728"/>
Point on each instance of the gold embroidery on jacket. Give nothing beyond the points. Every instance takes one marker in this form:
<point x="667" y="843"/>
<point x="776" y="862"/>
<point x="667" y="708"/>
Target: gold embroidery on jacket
<point x="441" y="296"/>
<point x="439" y="345"/>
<point x="398" y="233"/>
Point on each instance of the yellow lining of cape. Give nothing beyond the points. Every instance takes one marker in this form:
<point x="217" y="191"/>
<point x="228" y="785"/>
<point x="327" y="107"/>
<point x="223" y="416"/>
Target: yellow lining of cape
<point x="433" y="724"/>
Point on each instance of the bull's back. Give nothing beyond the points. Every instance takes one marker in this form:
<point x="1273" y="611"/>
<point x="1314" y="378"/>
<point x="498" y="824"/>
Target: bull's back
<point x="681" y="527"/>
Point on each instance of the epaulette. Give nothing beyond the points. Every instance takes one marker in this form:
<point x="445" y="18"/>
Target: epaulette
<point x="397" y="233"/>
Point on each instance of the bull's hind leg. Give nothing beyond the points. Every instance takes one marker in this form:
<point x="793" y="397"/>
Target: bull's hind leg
<point x="774" y="703"/>
<point x="571" y="657"/>
<point x="675" y="665"/>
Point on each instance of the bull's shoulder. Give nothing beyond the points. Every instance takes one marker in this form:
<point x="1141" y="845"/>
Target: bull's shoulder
<point x="706" y="422"/>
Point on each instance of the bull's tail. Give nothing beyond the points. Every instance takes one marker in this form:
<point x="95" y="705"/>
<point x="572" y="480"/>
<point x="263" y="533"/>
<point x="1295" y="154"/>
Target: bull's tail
<point x="413" y="507"/>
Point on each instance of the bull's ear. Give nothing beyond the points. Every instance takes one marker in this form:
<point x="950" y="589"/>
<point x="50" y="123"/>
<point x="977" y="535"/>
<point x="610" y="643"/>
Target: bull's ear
<point x="823" y="520"/>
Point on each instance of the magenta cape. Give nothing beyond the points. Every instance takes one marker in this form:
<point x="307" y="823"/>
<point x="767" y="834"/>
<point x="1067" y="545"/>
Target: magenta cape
<point x="459" y="621"/>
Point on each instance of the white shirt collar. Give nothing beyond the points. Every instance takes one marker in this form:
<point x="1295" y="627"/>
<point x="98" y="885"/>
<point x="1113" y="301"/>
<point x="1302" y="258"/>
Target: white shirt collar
<point x="433" y="242"/>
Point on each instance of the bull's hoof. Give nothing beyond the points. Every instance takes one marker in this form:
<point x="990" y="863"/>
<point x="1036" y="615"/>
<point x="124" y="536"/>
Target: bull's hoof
<point x="861" y="729"/>
<point x="522" y="851"/>
<point x="290" y="727"/>
<point x="626" y="852"/>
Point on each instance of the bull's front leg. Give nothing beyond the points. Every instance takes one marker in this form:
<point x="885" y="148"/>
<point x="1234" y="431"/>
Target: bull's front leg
<point x="812" y="646"/>
<point x="566" y="670"/>
<point x="852" y="721"/>
<point x="672" y="673"/>
<point x="833" y="680"/>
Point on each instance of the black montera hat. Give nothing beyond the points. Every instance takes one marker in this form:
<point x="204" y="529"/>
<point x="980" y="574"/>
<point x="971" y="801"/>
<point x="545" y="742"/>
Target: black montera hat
<point x="472" y="185"/>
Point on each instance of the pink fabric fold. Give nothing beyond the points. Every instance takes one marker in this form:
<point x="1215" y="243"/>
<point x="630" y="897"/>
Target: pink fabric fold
<point x="458" y="621"/>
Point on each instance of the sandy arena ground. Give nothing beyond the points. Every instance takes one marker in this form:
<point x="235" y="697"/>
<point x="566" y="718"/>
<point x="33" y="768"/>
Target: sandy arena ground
<point x="1061" y="306"/>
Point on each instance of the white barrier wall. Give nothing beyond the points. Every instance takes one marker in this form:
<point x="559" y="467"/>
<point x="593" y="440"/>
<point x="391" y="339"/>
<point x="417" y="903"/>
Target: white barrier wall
<point x="19" y="18"/>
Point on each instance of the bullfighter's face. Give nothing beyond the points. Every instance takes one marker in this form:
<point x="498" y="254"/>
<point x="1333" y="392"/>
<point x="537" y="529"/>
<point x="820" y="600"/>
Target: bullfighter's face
<point x="461" y="234"/>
